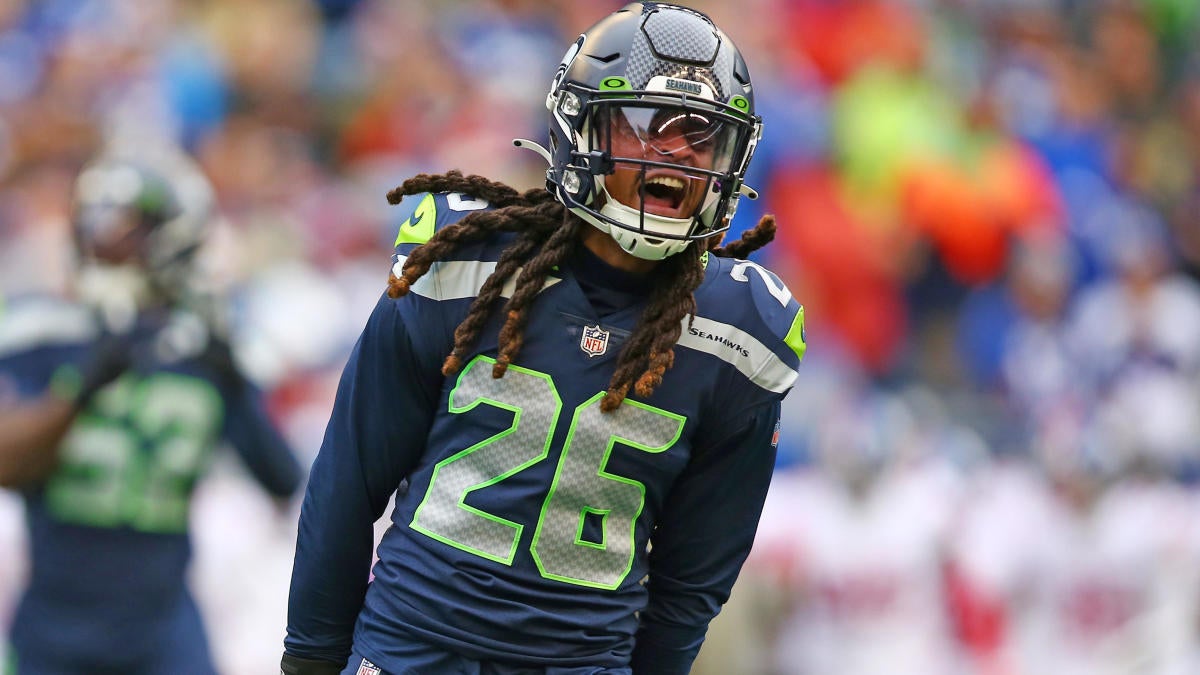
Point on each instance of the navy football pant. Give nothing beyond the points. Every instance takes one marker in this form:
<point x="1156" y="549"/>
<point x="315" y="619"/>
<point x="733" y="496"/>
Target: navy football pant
<point x="183" y="650"/>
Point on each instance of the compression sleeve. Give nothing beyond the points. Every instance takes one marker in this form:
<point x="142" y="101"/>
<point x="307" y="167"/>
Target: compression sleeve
<point x="702" y="539"/>
<point x="376" y="433"/>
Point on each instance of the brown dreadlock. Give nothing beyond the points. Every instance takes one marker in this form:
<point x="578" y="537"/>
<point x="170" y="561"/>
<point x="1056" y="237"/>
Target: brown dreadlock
<point x="547" y="233"/>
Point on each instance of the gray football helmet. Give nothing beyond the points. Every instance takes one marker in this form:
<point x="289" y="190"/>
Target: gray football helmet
<point x="652" y="127"/>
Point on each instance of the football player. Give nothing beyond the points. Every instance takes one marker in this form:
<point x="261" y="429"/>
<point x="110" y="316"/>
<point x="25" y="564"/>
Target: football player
<point x="116" y="406"/>
<point x="848" y="558"/>
<point x="577" y="386"/>
<point x="1086" y="558"/>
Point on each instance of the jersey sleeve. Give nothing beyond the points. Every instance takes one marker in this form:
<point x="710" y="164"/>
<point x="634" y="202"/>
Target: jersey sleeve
<point x="713" y="508"/>
<point x="775" y="316"/>
<point x="258" y="442"/>
<point x="422" y="215"/>
<point x="749" y="319"/>
<point x="376" y="433"/>
<point x="34" y="334"/>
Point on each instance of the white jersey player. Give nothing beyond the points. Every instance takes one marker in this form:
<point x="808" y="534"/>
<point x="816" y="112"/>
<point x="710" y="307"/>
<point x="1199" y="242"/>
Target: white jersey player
<point x="1091" y="580"/>
<point x="858" y="543"/>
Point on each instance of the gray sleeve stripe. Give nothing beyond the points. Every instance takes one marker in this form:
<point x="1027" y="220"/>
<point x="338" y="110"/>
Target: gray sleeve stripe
<point x="457" y="279"/>
<point x="44" y="324"/>
<point x="743" y="351"/>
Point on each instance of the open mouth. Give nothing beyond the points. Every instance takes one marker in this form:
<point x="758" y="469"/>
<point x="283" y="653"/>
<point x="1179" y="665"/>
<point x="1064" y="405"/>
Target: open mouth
<point x="664" y="194"/>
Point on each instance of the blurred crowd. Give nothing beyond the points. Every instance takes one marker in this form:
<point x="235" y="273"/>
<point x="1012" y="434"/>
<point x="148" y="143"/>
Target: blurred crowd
<point x="989" y="208"/>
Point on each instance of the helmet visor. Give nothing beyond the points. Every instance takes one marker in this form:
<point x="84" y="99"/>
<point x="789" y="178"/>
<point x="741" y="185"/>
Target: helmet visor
<point x="665" y="157"/>
<point x="109" y="232"/>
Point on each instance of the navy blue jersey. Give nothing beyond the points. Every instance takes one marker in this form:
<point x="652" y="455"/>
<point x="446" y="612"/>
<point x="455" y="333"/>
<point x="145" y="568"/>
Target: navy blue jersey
<point x="532" y="528"/>
<point x="108" y="529"/>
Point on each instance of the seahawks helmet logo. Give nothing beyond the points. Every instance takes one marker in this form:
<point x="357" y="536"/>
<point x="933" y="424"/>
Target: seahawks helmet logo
<point x="561" y="73"/>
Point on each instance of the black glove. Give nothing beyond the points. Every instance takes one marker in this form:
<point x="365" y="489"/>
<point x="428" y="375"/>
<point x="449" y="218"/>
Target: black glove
<point x="294" y="665"/>
<point x="111" y="355"/>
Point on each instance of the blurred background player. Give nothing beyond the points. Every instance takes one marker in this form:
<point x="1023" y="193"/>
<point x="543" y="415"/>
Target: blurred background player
<point x="847" y="571"/>
<point x="1084" y="562"/>
<point x="111" y="404"/>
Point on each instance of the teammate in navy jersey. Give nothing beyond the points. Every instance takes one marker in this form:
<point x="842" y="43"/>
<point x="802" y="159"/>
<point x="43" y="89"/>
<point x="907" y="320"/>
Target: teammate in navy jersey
<point x="109" y="412"/>
<point x="572" y="392"/>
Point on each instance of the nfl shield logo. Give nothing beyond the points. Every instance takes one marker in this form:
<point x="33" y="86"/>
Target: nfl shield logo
<point x="594" y="341"/>
<point x="367" y="668"/>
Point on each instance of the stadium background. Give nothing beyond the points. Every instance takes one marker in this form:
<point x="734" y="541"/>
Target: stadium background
<point x="990" y="209"/>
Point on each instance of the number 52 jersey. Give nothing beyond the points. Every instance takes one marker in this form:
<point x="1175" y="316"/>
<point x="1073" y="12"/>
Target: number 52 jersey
<point x="531" y="527"/>
<point x="108" y="529"/>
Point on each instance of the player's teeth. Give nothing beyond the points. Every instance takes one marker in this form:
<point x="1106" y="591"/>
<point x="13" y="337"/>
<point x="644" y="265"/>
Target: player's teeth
<point x="673" y="183"/>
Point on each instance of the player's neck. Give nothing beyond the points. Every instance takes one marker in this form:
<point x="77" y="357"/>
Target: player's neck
<point x="607" y="249"/>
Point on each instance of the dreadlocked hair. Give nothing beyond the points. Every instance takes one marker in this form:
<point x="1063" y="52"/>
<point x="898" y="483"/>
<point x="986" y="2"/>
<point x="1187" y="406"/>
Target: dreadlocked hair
<point x="751" y="241"/>
<point x="547" y="234"/>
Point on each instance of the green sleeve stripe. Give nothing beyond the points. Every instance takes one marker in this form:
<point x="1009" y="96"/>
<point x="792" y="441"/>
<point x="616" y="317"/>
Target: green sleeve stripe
<point x="795" y="335"/>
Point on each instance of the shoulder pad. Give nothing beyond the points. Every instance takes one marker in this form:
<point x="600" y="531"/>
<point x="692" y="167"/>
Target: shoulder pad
<point x="462" y="274"/>
<point x="747" y="317"/>
<point x="422" y="215"/>
<point x="35" y="322"/>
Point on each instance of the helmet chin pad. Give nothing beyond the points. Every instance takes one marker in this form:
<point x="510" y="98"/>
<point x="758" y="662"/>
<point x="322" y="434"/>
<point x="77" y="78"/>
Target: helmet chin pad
<point x="119" y="292"/>
<point x="638" y="244"/>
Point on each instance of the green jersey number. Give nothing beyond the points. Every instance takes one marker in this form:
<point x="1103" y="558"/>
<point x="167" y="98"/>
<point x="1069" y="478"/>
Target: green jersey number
<point x="582" y="488"/>
<point x="132" y="459"/>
